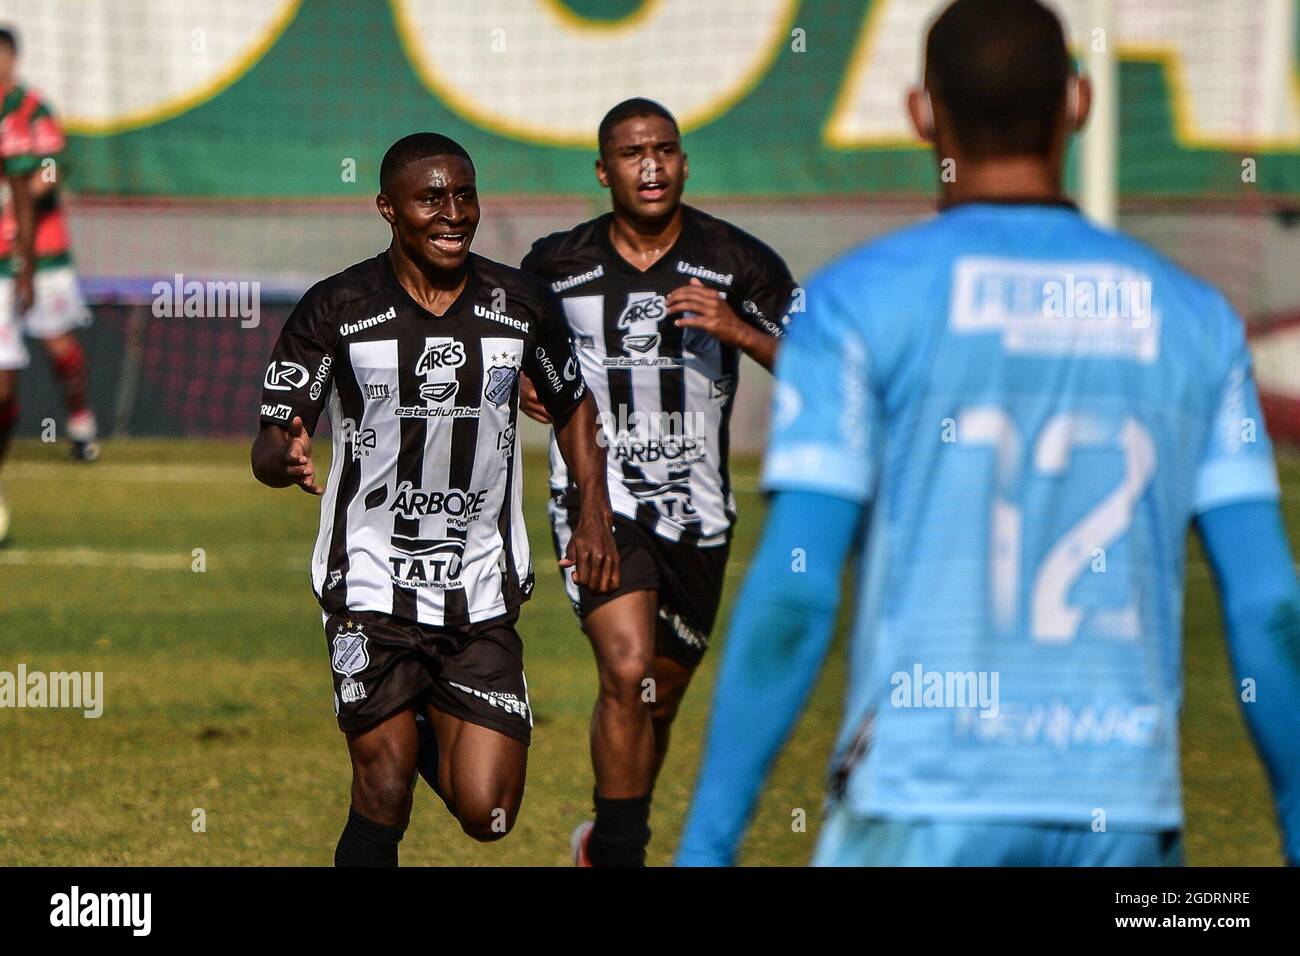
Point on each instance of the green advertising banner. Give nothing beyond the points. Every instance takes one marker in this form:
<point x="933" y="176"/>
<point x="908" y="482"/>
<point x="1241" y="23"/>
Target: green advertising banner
<point x="299" y="98"/>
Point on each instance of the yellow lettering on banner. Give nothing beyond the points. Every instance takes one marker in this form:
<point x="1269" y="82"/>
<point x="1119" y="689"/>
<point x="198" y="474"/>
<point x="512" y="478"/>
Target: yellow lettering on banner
<point x="1230" y="70"/>
<point x="123" y="78"/>
<point x="555" y="74"/>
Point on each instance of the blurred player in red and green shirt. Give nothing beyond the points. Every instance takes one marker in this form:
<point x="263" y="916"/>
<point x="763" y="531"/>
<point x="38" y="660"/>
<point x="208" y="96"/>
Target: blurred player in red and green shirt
<point x="39" y="294"/>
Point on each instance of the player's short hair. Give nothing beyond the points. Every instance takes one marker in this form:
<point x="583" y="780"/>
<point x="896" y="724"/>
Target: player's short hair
<point x="9" y="38"/>
<point x="1000" y="69"/>
<point x="415" y="147"/>
<point x="632" y="109"/>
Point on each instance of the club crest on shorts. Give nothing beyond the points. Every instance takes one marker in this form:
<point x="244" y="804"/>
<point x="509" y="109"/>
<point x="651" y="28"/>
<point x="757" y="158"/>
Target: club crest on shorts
<point x="500" y="384"/>
<point x="350" y="654"/>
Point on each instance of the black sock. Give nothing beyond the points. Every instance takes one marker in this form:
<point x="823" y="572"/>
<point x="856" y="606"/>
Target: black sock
<point x="367" y="843"/>
<point x="621" y="832"/>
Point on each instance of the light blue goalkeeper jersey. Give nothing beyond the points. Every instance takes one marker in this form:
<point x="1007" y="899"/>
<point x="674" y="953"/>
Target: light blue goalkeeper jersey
<point x="1036" y="409"/>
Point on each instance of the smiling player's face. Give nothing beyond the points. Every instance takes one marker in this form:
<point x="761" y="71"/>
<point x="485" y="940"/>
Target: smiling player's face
<point x="643" y="166"/>
<point x="433" y="209"/>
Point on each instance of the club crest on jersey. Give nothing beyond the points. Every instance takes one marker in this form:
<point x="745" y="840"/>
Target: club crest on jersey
<point x="642" y="306"/>
<point x="500" y="383"/>
<point x="441" y="355"/>
<point x="350" y="654"/>
<point x="640" y="343"/>
<point x="438" y="391"/>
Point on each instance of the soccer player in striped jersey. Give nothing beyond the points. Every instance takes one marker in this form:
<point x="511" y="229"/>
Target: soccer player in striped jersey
<point x="1022" y="413"/>
<point x="422" y="560"/>
<point x="661" y="300"/>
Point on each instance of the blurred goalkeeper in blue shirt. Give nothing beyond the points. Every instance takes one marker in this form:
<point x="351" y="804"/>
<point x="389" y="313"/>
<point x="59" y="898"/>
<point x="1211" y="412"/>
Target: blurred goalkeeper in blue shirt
<point x="1008" y="418"/>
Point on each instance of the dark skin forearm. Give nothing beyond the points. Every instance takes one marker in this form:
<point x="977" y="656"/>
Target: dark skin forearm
<point x="592" y="544"/>
<point x="761" y="348"/>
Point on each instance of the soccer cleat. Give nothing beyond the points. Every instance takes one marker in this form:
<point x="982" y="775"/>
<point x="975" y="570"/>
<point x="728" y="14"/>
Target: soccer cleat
<point x="83" y="434"/>
<point x="4" y="520"/>
<point x="579" y="840"/>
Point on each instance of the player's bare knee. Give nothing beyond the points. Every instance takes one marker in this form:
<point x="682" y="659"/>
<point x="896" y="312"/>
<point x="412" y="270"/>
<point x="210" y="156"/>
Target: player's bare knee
<point x="624" y="679"/>
<point x="381" y="790"/>
<point x="486" y="822"/>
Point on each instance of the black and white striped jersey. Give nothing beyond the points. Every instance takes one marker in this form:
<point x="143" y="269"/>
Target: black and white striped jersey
<point x="664" y="393"/>
<point x="422" y="514"/>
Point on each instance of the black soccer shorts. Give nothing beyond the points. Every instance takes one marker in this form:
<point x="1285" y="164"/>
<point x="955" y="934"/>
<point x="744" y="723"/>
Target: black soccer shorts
<point x="381" y="664"/>
<point x="688" y="579"/>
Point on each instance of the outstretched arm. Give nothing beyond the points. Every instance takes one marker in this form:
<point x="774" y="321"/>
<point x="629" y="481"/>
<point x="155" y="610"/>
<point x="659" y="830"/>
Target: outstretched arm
<point x="779" y="636"/>
<point x="1247" y="547"/>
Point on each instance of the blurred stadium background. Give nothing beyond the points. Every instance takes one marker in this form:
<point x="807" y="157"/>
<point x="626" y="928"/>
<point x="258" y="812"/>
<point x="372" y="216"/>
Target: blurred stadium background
<point x="239" y="141"/>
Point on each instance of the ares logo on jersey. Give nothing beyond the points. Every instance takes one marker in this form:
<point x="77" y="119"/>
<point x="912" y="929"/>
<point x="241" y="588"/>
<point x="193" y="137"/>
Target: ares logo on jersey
<point x="285" y="376"/>
<point x="426" y="562"/>
<point x="460" y="507"/>
<point x="350" y="655"/>
<point x="441" y="355"/>
<point x="642" y="306"/>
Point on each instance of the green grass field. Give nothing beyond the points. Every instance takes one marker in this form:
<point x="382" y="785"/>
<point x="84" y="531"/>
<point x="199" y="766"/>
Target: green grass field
<point x="218" y="694"/>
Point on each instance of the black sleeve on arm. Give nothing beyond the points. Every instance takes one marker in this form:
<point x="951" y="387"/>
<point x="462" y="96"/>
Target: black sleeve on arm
<point x="534" y="259"/>
<point x="550" y="361"/>
<point x="297" y="379"/>
<point x="765" y="296"/>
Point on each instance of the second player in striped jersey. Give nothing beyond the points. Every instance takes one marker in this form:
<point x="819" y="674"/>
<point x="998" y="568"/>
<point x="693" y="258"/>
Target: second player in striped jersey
<point x="661" y="300"/>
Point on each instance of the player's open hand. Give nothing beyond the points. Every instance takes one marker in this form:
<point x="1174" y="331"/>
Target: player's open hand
<point x="529" y="403"/>
<point x="297" y="458"/>
<point x="707" y="310"/>
<point x="592" y="553"/>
